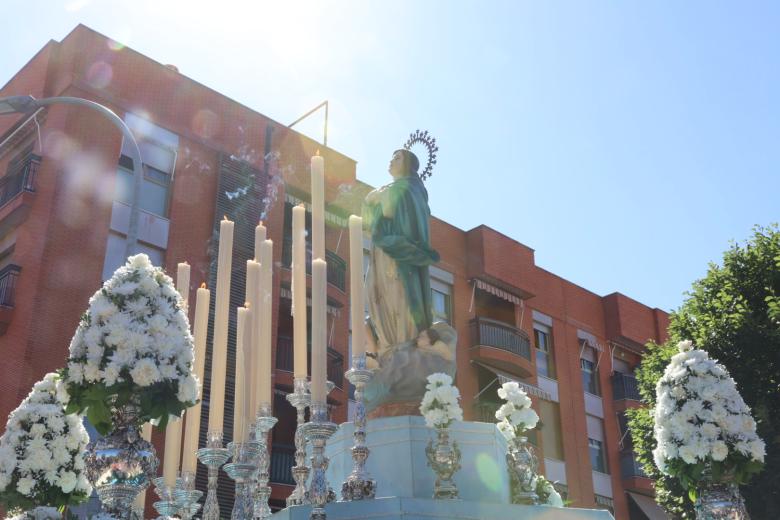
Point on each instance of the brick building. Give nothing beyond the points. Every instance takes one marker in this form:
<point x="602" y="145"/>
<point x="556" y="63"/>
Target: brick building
<point x="64" y="214"/>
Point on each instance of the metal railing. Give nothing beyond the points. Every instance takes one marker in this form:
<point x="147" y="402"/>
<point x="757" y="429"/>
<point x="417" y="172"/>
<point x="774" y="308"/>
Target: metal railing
<point x="20" y="177"/>
<point x="337" y="267"/>
<point x="485" y="411"/>
<point x="285" y="356"/>
<point x="629" y="466"/>
<point x="282" y="461"/>
<point x="492" y="333"/>
<point x="8" y="276"/>
<point x="625" y="386"/>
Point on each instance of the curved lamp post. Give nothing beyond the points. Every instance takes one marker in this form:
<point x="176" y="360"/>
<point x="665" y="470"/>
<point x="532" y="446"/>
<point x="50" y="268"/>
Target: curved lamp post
<point x="27" y="104"/>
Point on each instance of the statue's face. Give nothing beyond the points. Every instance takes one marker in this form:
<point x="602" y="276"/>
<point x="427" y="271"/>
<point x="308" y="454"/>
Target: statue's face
<point x="396" y="168"/>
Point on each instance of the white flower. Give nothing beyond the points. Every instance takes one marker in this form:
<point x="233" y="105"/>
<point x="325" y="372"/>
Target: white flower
<point x="685" y="346"/>
<point x="506" y="429"/>
<point x="145" y="372"/>
<point x="68" y="481"/>
<point x="757" y="450"/>
<point x="188" y="390"/>
<point x="25" y="486"/>
<point x="439" y="379"/>
<point x="719" y="450"/>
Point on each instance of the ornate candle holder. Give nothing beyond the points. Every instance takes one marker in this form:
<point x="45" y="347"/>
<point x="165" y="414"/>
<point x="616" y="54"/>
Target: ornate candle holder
<point x="186" y="496"/>
<point x="359" y="485"/>
<point x="166" y="506"/>
<point x="213" y="456"/>
<point x="262" y="491"/>
<point x="318" y="430"/>
<point x="242" y="469"/>
<point x="300" y="398"/>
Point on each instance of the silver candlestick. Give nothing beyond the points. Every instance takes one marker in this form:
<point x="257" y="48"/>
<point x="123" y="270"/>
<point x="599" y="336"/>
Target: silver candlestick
<point x="166" y="506"/>
<point x="318" y="430"/>
<point x="186" y="496"/>
<point x="300" y="398"/>
<point x="262" y="491"/>
<point x="359" y="484"/>
<point x="242" y="469"/>
<point x="213" y="456"/>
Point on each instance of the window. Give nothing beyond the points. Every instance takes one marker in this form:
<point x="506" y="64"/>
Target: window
<point x="154" y="185"/>
<point x="545" y="364"/>
<point x="550" y="418"/>
<point x="441" y="299"/>
<point x="598" y="461"/>
<point x="115" y="254"/>
<point x="590" y="377"/>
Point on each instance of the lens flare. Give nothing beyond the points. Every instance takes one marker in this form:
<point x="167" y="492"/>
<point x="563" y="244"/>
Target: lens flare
<point x="99" y="74"/>
<point x="488" y="472"/>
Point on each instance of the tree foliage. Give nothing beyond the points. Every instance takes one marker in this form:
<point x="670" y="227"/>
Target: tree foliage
<point x="734" y="314"/>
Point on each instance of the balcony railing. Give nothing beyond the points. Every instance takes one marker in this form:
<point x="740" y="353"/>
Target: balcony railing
<point x="485" y="411"/>
<point x="8" y="277"/>
<point x="284" y="360"/>
<point x="625" y="387"/>
<point x="282" y="461"/>
<point x="492" y="333"/>
<point x="629" y="466"/>
<point x="337" y="267"/>
<point x="20" y="177"/>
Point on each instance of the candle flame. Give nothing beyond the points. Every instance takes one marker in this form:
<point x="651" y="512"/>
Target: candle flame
<point x="203" y="285"/>
<point x="261" y="223"/>
<point x="246" y="305"/>
<point x="318" y="152"/>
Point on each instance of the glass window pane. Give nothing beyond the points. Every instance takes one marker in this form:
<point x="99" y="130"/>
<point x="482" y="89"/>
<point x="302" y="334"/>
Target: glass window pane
<point x="597" y="461"/>
<point x="542" y="363"/>
<point x="154" y="197"/>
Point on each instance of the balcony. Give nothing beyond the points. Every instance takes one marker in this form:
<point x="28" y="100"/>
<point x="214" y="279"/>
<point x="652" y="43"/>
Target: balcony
<point x="485" y="411"/>
<point x="8" y="276"/>
<point x="491" y="333"/>
<point x="20" y="178"/>
<point x="625" y="386"/>
<point x="282" y="461"/>
<point x="284" y="360"/>
<point x="629" y="466"/>
<point x="337" y="267"/>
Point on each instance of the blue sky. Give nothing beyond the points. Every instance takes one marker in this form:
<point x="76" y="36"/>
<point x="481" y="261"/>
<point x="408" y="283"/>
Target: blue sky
<point x="626" y="142"/>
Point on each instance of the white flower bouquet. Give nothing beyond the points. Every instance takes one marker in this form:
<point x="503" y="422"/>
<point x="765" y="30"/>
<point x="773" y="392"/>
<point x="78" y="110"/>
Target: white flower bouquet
<point x="547" y="493"/>
<point x="515" y="416"/>
<point x="133" y="343"/>
<point x="41" y="453"/>
<point x="440" y="404"/>
<point x="701" y="422"/>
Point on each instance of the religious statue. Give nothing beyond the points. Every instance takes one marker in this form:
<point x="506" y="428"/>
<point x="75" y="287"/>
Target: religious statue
<point x="404" y="342"/>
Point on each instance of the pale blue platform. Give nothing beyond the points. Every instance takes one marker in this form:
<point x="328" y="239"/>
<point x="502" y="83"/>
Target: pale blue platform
<point x="425" y="509"/>
<point x="405" y="482"/>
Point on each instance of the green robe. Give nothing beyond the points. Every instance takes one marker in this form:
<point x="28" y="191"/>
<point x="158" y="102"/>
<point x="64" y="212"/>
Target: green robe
<point x="399" y="291"/>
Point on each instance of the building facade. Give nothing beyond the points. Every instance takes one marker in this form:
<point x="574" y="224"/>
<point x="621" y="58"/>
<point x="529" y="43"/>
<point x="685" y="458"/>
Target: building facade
<point x="64" y="212"/>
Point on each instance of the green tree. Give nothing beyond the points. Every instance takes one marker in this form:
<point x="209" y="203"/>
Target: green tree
<point x="734" y="314"/>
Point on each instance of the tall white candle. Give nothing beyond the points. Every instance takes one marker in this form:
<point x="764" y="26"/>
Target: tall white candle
<point x="318" y="330"/>
<point x="260" y="236"/>
<point x="221" y="310"/>
<point x="172" y="451"/>
<point x="299" y="291"/>
<point x="183" y="282"/>
<point x="356" y="285"/>
<point x="252" y="351"/>
<point x="240" y="399"/>
<point x="192" y="429"/>
<point x="266" y="290"/>
<point x="318" y="206"/>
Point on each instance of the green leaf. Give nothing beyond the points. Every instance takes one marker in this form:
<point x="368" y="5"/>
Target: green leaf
<point x="692" y="494"/>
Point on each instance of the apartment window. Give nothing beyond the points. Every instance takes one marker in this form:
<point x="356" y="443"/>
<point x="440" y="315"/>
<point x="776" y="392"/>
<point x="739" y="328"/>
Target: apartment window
<point x="598" y="459"/>
<point x="115" y="254"/>
<point x="596" y="439"/>
<point x="552" y="439"/>
<point x="590" y="376"/>
<point x="156" y="182"/>
<point x="441" y="298"/>
<point x="545" y="363"/>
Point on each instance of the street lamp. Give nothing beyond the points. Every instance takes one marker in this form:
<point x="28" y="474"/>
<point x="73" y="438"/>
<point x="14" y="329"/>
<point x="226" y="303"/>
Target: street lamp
<point x="27" y="104"/>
